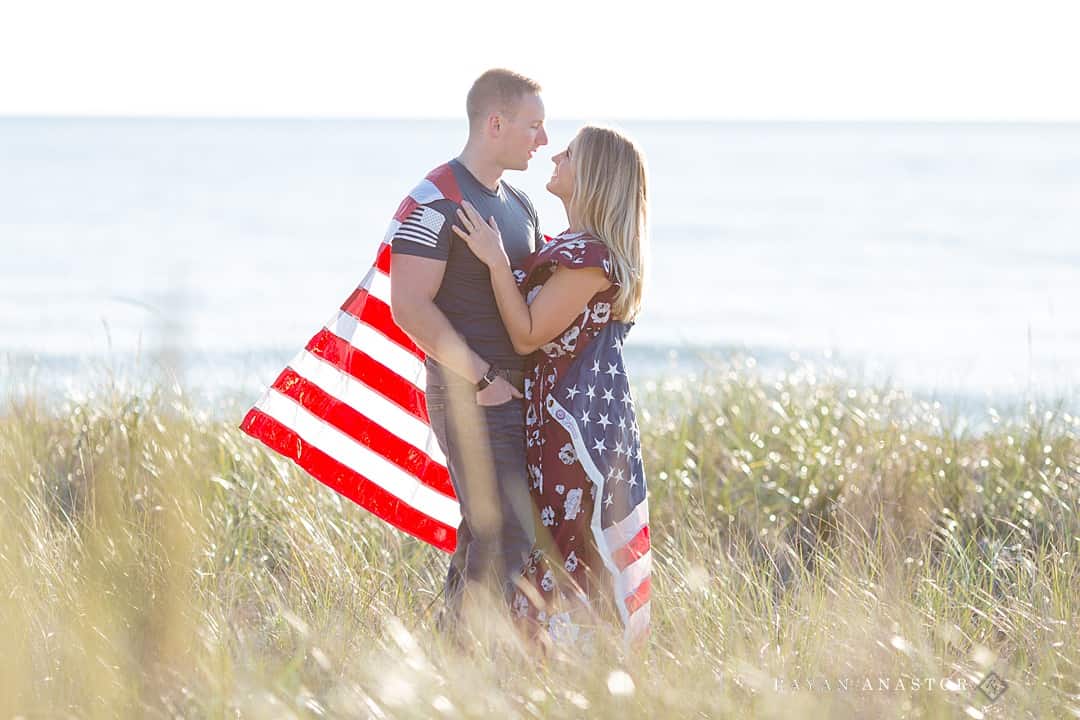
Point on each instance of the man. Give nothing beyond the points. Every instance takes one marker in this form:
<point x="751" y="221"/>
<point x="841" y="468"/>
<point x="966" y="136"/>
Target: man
<point x="441" y="295"/>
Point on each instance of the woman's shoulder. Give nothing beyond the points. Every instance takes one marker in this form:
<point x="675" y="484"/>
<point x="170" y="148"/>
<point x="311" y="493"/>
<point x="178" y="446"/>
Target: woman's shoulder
<point x="576" y="251"/>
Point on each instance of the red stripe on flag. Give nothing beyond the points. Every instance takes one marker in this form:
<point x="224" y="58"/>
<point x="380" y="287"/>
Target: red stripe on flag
<point x="339" y="353"/>
<point x="348" y="482"/>
<point x="639" y="597"/>
<point x="374" y="312"/>
<point x="443" y="178"/>
<point x="364" y="430"/>
<point x="405" y="208"/>
<point x="382" y="261"/>
<point x="631" y="551"/>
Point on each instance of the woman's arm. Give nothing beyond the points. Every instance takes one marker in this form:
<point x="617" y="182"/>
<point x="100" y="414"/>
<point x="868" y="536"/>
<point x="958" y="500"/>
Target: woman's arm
<point x="566" y="293"/>
<point x="563" y="297"/>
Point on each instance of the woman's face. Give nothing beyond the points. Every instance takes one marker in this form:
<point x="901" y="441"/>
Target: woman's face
<point x="561" y="184"/>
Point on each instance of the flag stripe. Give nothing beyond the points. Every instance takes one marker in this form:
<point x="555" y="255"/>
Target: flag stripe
<point x="378" y="286"/>
<point x="348" y="482"/>
<point x="632" y="550"/>
<point x="443" y="179"/>
<point x="330" y="348"/>
<point x="357" y="395"/>
<point x="426" y="192"/>
<point x="430" y="471"/>
<point x="638" y="625"/>
<point x="384" y="351"/>
<point x="359" y="458"/>
<point x="624" y="531"/>
<point x="388" y="236"/>
<point x="639" y="597"/>
<point x="634" y="573"/>
<point x="376" y="313"/>
<point x="383" y="260"/>
<point x="405" y="208"/>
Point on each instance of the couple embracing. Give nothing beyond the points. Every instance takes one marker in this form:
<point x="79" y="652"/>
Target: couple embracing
<point x="526" y="387"/>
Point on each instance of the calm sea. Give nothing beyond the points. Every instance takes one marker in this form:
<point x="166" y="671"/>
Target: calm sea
<point x="944" y="258"/>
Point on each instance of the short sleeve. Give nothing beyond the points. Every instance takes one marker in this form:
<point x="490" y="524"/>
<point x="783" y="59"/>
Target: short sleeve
<point x="538" y="236"/>
<point x="581" y="253"/>
<point x="427" y="232"/>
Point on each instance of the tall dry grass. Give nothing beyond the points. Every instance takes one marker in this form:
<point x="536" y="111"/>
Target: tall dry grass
<point x="822" y="550"/>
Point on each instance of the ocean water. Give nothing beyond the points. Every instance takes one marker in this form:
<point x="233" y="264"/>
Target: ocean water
<point x="942" y="258"/>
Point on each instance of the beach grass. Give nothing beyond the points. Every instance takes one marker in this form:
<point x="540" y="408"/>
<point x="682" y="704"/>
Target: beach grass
<point x="822" y="549"/>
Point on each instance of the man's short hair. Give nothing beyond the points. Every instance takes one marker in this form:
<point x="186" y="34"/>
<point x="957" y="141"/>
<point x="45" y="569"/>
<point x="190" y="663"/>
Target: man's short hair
<point x="497" y="90"/>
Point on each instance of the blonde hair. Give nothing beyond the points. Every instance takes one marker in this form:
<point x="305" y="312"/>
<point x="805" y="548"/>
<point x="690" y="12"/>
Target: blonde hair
<point x="611" y="201"/>
<point x="497" y="89"/>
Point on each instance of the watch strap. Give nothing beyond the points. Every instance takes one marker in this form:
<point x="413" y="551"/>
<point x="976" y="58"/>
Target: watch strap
<point x="487" y="379"/>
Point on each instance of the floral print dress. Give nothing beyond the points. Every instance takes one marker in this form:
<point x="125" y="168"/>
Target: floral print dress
<point x="565" y="584"/>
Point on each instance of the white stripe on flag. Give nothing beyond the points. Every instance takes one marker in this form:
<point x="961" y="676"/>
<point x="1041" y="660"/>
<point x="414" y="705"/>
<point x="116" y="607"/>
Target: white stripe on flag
<point x="378" y="285"/>
<point x="426" y="192"/>
<point x="384" y="413"/>
<point x="624" y="531"/>
<point x="377" y="469"/>
<point x="637" y="571"/>
<point x="382" y="349"/>
<point x="390" y="232"/>
<point x="639" y="621"/>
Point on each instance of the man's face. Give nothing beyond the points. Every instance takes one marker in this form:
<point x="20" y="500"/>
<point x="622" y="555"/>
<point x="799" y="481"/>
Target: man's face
<point x="521" y="133"/>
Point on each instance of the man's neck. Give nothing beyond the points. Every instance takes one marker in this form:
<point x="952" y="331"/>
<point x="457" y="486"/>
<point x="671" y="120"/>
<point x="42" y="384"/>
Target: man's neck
<point x="482" y="167"/>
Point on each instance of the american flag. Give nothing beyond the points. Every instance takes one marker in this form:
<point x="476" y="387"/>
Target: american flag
<point x="592" y="403"/>
<point x="350" y="408"/>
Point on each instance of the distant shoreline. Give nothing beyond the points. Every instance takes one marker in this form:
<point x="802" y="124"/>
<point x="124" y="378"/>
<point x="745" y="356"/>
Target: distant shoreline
<point x="226" y="379"/>
<point x="877" y="123"/>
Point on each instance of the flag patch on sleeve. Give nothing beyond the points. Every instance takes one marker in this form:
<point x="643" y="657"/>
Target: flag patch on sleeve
<point x="422" y="227"/>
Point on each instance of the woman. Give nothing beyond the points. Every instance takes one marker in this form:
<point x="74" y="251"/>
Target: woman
<point x="592" y="558"/>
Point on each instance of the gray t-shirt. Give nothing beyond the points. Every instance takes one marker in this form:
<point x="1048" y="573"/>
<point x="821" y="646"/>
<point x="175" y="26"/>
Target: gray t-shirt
<point x="466" y="296"/>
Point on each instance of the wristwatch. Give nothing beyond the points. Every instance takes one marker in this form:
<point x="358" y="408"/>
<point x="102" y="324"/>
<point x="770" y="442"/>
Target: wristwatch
<point x="489" y="377"/>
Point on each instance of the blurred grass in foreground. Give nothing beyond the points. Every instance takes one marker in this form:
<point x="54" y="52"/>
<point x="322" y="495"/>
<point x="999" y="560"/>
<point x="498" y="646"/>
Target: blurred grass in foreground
<point x="156" y="562"/>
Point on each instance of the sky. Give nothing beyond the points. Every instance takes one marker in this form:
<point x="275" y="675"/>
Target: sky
<point x="921" y="60"/>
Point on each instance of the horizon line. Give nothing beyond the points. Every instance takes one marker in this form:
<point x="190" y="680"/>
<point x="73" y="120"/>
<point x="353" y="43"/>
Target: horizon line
<point x="692" y="120"/>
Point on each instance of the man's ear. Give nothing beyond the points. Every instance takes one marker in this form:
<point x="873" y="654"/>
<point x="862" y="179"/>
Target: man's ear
<point x="495" y="123"/>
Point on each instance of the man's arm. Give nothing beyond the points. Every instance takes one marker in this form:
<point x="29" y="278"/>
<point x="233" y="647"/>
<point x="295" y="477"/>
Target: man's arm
<point x="414" y="282"/>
